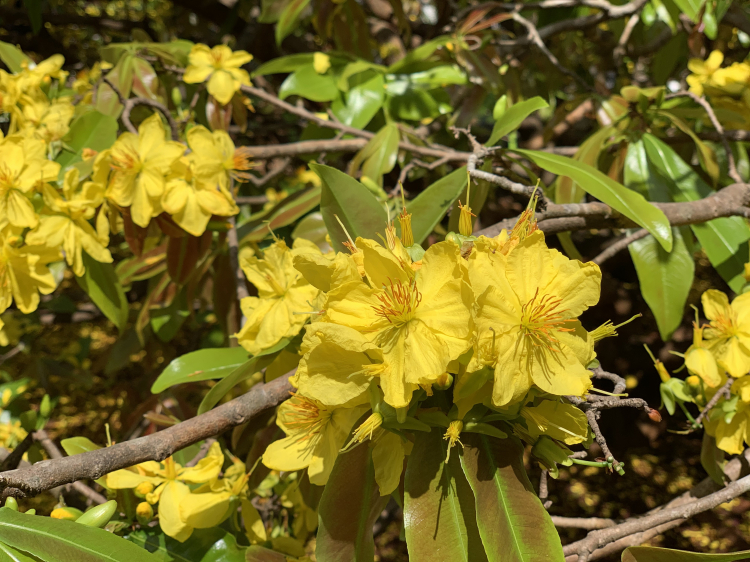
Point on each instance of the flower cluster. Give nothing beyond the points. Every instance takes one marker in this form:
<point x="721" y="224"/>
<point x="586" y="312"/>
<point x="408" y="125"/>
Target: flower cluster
<point x="728" y="88"/>
<point x="48" y="214"/>
<point x="472" y="335"/>
<point x="720" y="352"/>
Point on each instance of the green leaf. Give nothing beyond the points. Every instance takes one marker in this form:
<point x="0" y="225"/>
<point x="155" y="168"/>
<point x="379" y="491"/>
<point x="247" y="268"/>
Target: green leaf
<point x="724" y="240"/>
<point x="101" y="284"/>
<point x="653" y="554"/>
<point x="13" y="57"/>
<point x="54" y="540"/>
<point x="348" y="509"/>
<point x="107" y="101"/>
<point x="204" y="545"/>
<point x="286" y="64"/>
<point x="512" y="118"/>
<point x="705" y="152"/>
<point x="420" y="54"/>
<point x="667" y="398"/>
<point x="712" y="459"/>
<point x="77" y="445"/>
<point x="378" y="156"/>
<point x="352" y="202"/>
<point x="308" y="84"/>
<point x="201" y="365"/>
<point x="665" y="279"/>
<point x="607" y="190"/>
<point x="690" y="8"/>
<point x="512" y="521"/>
<point x="92" y="130"/>
<point x="34" y="9"/>
<point x="284" y="213"/>
<point x="568" y="191"/>
<point x="241" y="373"/>
<point x="8" y="554"/>
<point x="362" y="101"/>
<point x="439" y="505"/>
<point x="430" y="206"/>
<point x="289" y="18"/>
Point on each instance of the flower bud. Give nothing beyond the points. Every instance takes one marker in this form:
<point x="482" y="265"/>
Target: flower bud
<point x="693" y="381"/>
<point x="11" y="503"/>
<point x="98" y="516"/>
<point x="143" y="489"/>
<point x="45" y="408"/>
<point x="654" y="415"/>
<point x="144" y="513"/>
<point x="444" y="381"/>
<point x="66" y="513"/>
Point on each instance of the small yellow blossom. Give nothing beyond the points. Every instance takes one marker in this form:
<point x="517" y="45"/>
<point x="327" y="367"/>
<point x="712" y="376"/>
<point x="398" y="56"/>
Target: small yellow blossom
<point x="221" y="67"/>
<point x="24" y="273"/>
<point x="728" y="332"/>
<point x="139" y="166"/>
<point x="215" y="158"/>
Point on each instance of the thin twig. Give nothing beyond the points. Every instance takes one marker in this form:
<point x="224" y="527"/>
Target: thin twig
<point x="273" y="173"/>
<point x="619" y="245"/>
<point x="129" y="103"/>
<point x="13" y="459"/>
<point x="620" y="49"/>
<point x="721" y="393"/>
<point x="587" y="523"/>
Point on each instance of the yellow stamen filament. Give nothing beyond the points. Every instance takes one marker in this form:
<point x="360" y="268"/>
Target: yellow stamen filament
<point x="350" y="245"/>
<point x="607" y="330"/>
<point x="452" y="435"/>
<point x="726" y="324"/>
<point x="540" y="319"/>
<point x="241" y="163"/>
<point x="404" y="219"/>
<point x="364" y="431"/>
<point x="125" y="160"/>
<point x="304" y="417"/>
<point x="526" y="223"/>
<point x="399" y="302"/>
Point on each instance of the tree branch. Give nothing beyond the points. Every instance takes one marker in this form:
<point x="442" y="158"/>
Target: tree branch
<point x="92" y="465"/>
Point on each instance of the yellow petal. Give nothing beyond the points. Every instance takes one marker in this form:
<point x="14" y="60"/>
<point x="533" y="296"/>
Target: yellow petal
<point x="170" y="519"/>
<point x="203" y="511"/>
<point x="222" y="87"/>
<point x="388" y="459"/>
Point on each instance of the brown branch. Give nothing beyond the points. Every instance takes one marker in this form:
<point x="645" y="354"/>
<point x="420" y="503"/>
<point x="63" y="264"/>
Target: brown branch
<point x="721" y="393"/>
<point x="728" y="202"/>
<point x="158" y="446"/>
<point x="234" y="260"/>
<point x="733" y="470"/>
<point x="587" y="523"/>
<point x="273" y="173"/>
<point x="619" y="245"/>
<point x="129" y="103"/>
<point x="13" y="459"/>
<point x="621" y="48"/>
<point x="54" y="453"/>
<point x="597" y="539"/>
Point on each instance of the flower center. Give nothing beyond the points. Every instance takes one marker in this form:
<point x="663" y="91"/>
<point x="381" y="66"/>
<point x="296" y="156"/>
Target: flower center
<point x="452" y="435"/>
<point x="541" y="317"/>
<point x="126" y="160"/>
<point x="7" y="179"/>
<point x="725" y="326"/>
<point x="304" y="417"/>
<point x="399" y="301"/>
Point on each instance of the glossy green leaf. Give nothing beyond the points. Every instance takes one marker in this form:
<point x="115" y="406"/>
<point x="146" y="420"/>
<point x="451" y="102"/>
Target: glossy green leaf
<point x="286" y="64"/>
<point x="77" y="445"/>
<point x="724" y="240"/>
<point x="348" y="510"/>
<point x="13" y="57"/>
<point x="107" y="101"/>
<point x="54" y="540"/>
<point x="241" y="373"/>
<point x="201" y="365"/>
<point x="101" y="284"/>
<point x="350" y="201"/>
<point x="567" y="190"/>
<point x="9" y="554"/>
<point x="289" y="18"/>
<point x="362" y="101"/>
<point x="654" y="554"/>
<point x="712" y="459"/>
<point x="313" y="228"/>
<point x="378" y="156"/>
<point x="308" y="84"/>
<point x="512" y="521"/>
<point x="204" y="545"/>
<point x="705" y="152"/>
<point x="429" y="207"/>
<point x="664" y="278"/>
<point x="420" y="54"/>
<point x="512" y="118"/>
<point x="257" y="553"/>
<point x="284" y="213"/>
<point x="607" y="190"/>
<point x="92" y="130"/>
<point x="439" y="510"/>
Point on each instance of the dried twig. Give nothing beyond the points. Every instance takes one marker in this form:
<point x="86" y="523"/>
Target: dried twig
<point x="130" y="103"/>
<point x="588" y="523"/>
<point x="619" y="245"/>
<point x="723" y="392"/>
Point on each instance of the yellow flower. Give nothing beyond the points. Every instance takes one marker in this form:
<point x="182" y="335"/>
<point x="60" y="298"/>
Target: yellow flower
<point x="728" y="332"/>
<point x="139" y="166"/>
<point x="23" y="166"/>
<point x="33" y="75"/>
<point x="67" y="225"/>
<point x="221" y="67"/>
<point x="560" y="421"/>
<point x="43" y="119"/>
<point x="528" y="305"/>
<point x="702" y="71"/>
<point x="731" y="435"/>
<point x="321" y="62"/>
<point x="9" y="93"/>
<point x="701" y="361"/>
<point x="24" y="273"/>
<point x="315" y="433"/>
<point x="209" y="505"/>
<point x="192" y="202"/>
<point x="215" y="159"/>
<point x="171" y="481"/>
<point x="282" y="292"/>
